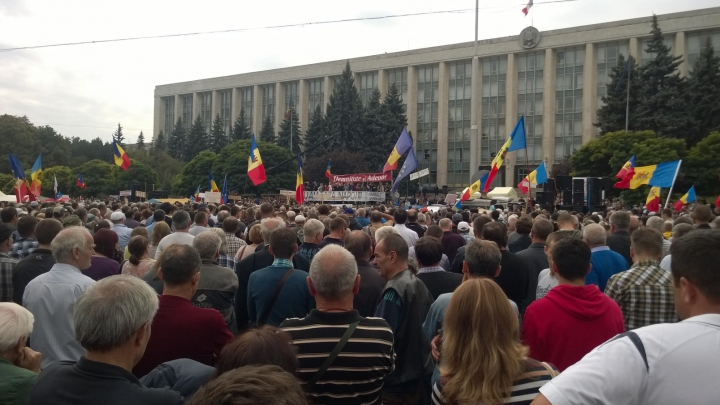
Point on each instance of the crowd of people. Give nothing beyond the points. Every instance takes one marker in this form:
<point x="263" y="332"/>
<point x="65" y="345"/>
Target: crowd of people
<point x="105" y="302"/>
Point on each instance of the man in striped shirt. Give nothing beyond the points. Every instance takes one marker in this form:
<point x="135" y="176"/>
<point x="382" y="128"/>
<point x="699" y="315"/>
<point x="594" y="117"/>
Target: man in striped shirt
<point x="357" y="374"/>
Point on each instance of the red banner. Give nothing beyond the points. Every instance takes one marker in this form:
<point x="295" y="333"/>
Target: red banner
<point x="361" y="178"/>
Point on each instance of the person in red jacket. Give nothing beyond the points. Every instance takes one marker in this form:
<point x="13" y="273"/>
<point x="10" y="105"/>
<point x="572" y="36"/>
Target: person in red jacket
<point x="573" y="318"/>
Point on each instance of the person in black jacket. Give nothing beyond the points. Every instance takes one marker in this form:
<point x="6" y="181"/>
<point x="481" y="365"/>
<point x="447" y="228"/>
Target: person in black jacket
<point x="256" y="261"/>
<point x="619" y="241"/>
<point x="428" y="252"/>
<point x="514" y="277"/>
<point x="413" y="224"/>
<point x="40" y="261"/>
<point x="371" y="284"/>
<point x="523" y="226"/>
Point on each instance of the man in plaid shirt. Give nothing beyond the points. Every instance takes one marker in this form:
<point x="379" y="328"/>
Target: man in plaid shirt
<point x="7" y="264"/>
<point x="26" y="243"/>
<point x="230" y="226"/>
<point x="644" y="293"/>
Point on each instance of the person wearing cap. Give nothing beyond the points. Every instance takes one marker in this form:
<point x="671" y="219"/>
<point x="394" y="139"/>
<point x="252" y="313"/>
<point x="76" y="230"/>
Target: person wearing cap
<point x="464" y="231"/>
<point x="59" y="213"/>
<point x="299" y="226"/>
<point x="353" y="225"/>
<point x="119" y="227"/>
<point x="7" y="263"/>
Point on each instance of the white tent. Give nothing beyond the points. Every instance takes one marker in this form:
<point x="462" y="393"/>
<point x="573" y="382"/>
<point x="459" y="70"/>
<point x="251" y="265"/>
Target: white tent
<point x="506" y="192"/>
<point x="7" y="197"/>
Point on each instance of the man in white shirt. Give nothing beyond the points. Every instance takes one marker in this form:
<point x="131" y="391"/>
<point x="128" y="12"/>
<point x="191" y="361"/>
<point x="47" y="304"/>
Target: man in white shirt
<point x="400" y="217"/>
<point x="119" y="227"/>
<point x="200" y="225"/>
<point x="663" y="363"/>
<point x="51" y="297"/>
<point x="181" y="223"/>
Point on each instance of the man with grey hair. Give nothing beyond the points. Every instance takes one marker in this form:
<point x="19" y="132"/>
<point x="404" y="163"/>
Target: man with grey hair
<point x="123" y="232"/>
<point x="51" y="296"/>
<point x="356" y="372"/>
<point x="218" y="284"/>
<point x="658" y="224"/>
<point x="605" y="263"/>
<point x="259" y="259"/>
<point x="313" y="235"/>
<point x="19" y="365"/>
<point x="181" y="224"/>
<point x="112" y="322"/>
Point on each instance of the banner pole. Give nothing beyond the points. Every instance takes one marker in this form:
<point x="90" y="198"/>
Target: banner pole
<point x="667" y="202"/>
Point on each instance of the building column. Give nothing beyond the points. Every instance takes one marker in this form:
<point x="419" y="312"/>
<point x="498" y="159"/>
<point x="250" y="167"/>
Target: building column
<point x="196" y="107"/>
<point x="236" y="104"/>
<point x="302" y="107"/>
<point x="548" y="139"/>
<point x="635" y="49"/>
<point x="443" y="115"/>
<point x="279" y="105"/>
<point x="215" y="107"/>
<point x="681" y="50"/>
<point x="511" y="117"/>
<point x="328" y="87"/>
<point x="412" y="103"/>
<point x="589" y="131"/>
<point x="383" y="82"/>
<point x="257" y="109"/>
<point x="159" y="119"/>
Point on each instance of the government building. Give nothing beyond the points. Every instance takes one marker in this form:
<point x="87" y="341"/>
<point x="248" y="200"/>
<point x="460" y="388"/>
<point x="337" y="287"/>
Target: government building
<point x="556" y="79"/>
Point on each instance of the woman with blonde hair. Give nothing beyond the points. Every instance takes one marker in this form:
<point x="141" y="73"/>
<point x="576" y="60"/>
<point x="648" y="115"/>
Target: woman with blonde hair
<point x="160" y="230"/>
<point x="256" y="240"/>
<point x="483" y="361"/>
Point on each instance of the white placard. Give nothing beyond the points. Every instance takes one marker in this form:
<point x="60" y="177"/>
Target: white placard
<point x="124" y="193"/>
<point x="348" y="196"/>
<point x="421" y="173"/>
<point x="213" y="197"/>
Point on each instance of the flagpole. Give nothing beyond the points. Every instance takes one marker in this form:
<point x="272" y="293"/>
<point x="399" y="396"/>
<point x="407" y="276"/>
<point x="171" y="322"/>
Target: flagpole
<point x="667" y="202"/>
<point x="627" y="102"/>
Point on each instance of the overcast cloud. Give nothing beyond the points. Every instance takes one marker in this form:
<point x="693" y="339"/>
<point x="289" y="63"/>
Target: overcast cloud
<point x="86" y="90"/>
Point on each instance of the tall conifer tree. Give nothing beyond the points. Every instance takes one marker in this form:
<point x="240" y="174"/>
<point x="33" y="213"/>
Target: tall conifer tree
<point x="267" y="132"/>
<point x="240" y="129"/>
<point x="283" y="138"/>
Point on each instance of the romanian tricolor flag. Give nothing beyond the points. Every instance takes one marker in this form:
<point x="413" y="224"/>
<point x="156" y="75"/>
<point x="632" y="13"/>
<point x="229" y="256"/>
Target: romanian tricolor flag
<point x="121" y="158"/>
<point x="652" y="203"/>
<point x="256" y="170"/>
<point x="660" y="175"/>
<point x="686" y="199"/>
<point x="21" y="185"/>
<point x="80" y="181"/>
<point x="629" y="165"/>
<point x="299" y="184"/>
<point x="197" y="194"/>
<point x="328" y="174"/>
<point x="515" y="142"/>
<point x="527" y="8"/>
<point x="401" y="146"/>
<point x="211" y="184"/>
<point x="536" y="177"/>
<point x="35" y="173"/>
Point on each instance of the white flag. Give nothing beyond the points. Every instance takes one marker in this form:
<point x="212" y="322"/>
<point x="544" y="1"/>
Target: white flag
<point x="55" y="186"/>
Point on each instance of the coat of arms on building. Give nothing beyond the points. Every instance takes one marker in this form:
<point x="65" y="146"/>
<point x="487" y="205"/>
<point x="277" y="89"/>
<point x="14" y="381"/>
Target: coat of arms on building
<point x="529" y="37"/>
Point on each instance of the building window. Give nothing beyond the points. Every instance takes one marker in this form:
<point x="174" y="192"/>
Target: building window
<point x="206" y="110"/>
<point x="187" y="110"/>
<point x="427" y="121"/>
<point x="399" y="77"/>
<point x="530" y="102"/>
<point x="645" y="57"/>
<point x="521" y="172"/>
<point x="268" y="102"/>
<point x="246" y="103"/>
<point x="607" y="56"/>
<point x="696" y="42"/>
<point x="568" y="101"/>
<point x="169" y="115"/>
<point x="493" y="133"/>
<point x="291" y="95"/>
<point x="460" y="94"/>
<point x="226" y="111"/>
<point x="316" y="96"/>
<point x="368" y="83"/>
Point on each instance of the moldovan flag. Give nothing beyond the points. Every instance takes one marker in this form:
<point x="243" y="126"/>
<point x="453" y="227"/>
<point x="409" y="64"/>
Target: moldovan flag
<point x="212" y="186"/>
<point x="256" y="170"/>
<point x="515" y="142"/>
<point x="661" y="175"/>
<point x="401" y="146"/>
<point x="299" y="184"/>
<point x="35" y="173"/>
<point x="469" y="191"/>
<point x="527" y="8"/>
<point x="652" y="203"/>
<point x="121" y="158"/>
<point x="686" y="199"/>
<point x="20" y="184"/>
<point x="630" y="164"/>
<point x="328" y="174"/>
<point x="80" y="181"/>
<point x="537" y="176"/>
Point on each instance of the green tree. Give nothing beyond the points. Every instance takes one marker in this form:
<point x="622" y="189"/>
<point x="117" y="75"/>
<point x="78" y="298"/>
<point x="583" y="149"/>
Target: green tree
<point x="664" y="106"/>
<point x="379" y="125"/>
<point x="314" y="136"/>
<point x="605" y="156"/>
<point x="218" y="139"/>
<point x="65" y="178"/>
<point x="344" y="118"/>
<point x="7" y="183"/>
<point x="394" y="104"/>
<point x="177" y="141"/>
<point x="17" y="136"/>
<point x="290" y="125"/>
<point x="118" y="136"/>
<point x="197" y="139"/>
<point x="267" y="132"/>
<point x="343" y="162"/>
<point x="83" y="151"/>
<point x="702" y="166"/>
<point x="240" y="129"/>
<point x="140" y="173"/>
<point x="141" y="141"/>
<point x="54" y="147"/>
<point x="195" y="173"/>
<point x="704" y="85"/>
<point x="159" y="144"/>
<point x="99" y="178"/>
<point x="611" y="116"/>
<point x="233" y="161"/>
<point x="165" y="166"/>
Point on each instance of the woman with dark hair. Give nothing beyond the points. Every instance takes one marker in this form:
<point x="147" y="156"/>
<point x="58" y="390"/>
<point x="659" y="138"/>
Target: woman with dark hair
<point x="103" y="263"/>
<point x="140" y="261"/>
<point x="266" y="345"/>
